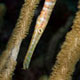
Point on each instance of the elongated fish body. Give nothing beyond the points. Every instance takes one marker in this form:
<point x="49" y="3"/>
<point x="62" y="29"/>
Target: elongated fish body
<point x="40" y="26"/>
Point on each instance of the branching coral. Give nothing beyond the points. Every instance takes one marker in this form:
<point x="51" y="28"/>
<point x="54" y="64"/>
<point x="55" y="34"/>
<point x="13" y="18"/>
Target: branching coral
<point x="9" y="56"/>
<point x="69" y="54"/>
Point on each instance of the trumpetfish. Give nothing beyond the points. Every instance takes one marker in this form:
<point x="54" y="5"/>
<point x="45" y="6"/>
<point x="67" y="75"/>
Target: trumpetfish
<point x="40" y="26"/>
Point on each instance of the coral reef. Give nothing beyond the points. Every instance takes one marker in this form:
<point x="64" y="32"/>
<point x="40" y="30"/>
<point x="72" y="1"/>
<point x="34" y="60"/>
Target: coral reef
<point x="49" y="45"/>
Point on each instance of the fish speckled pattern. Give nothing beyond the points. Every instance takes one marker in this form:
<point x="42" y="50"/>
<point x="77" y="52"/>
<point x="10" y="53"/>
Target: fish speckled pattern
<point x="40" y="26"/>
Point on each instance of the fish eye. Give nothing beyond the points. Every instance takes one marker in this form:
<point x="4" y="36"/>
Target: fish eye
<point x="40" y="30"/>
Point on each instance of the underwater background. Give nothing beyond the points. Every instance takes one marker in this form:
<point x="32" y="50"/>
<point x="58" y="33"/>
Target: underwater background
<point x="44" y="56"/>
